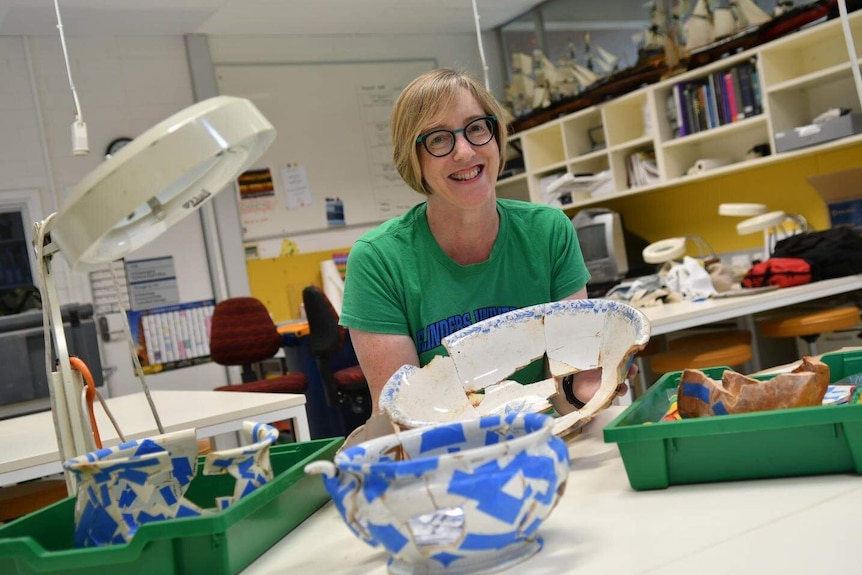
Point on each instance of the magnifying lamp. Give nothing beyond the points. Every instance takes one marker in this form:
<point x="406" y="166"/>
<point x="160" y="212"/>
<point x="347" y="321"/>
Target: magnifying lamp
<point x="675" y="248"/>
<point x="160" y="177"/>
<point x="772" y="224"/>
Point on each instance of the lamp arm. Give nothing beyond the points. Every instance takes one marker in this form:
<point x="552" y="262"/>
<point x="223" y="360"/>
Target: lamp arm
<point x="74" y="436"/>
<point x="135" y="359"/>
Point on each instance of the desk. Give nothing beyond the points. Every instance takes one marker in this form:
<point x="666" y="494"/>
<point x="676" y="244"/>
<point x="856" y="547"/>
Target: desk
<point x="673" y="317"/>
<point x="683" y="315"/>
<point x="601" y="526"/>
<point x="28" y="444"/>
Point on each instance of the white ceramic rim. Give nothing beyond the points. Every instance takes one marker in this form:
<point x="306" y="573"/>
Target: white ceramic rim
<point x="348" y="464"/>
<point x="641" y="324"/>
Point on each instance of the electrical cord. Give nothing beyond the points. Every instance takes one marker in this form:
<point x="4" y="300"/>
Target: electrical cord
<point x="80" y="147"/>
<point x="481" y="49"/>
<point x="91" y="393"/>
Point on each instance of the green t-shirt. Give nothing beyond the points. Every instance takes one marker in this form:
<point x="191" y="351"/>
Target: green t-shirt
<point x="399" y="281"/>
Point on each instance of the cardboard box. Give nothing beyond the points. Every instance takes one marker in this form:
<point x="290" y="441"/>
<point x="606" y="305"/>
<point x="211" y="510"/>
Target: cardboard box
<point x="842" y="192"/>
<point x="804" y="136"/>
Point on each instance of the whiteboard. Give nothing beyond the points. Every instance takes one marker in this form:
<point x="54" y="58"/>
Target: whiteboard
<point x="333" y="141"/>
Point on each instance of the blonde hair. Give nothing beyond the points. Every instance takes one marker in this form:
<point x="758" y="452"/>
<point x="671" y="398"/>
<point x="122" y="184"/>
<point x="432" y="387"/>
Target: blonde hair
<point x="423" y="100"/>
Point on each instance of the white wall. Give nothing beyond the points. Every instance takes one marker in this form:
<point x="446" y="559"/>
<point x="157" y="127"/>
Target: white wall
<point x="460" y="51"/>
<point x="125" y="85"/>
<point x="450" y="50"/>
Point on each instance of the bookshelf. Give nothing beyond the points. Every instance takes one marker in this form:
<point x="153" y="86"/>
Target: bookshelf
<point x="796" y="78"/>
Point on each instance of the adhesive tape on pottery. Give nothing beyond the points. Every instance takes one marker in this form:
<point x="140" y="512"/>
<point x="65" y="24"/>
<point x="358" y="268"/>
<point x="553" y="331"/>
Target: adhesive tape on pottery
<point x="463" y="497"/>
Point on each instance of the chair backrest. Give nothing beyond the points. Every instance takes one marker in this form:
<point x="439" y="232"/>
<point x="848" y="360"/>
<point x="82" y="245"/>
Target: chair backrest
<point x="242" y="332"/>
<point x="325" y="335"/>
<point x="333" y="284"/>
<point x="329" y="343"/>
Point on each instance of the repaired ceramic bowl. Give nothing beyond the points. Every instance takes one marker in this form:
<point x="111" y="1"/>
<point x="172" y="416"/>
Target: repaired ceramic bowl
<point x="571" y="335"/>
<point x="464" y="497"/>
<point x="122" y="487"/>
<point x="248" y="464"/>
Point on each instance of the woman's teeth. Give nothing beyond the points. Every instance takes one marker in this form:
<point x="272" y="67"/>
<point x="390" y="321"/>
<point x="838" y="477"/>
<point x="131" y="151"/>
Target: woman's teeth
<point x="467" y="175"/>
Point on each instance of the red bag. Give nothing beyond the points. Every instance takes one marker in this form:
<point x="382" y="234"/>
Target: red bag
<point x="781" y="272"/>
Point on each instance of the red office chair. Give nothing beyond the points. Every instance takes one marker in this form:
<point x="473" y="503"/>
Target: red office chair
<point x="242" y="333"/>
<point x="343" y="387"/>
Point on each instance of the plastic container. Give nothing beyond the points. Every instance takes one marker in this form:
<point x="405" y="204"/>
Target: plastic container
<point x="222" y="543"/>
<point x="788" y="442"/>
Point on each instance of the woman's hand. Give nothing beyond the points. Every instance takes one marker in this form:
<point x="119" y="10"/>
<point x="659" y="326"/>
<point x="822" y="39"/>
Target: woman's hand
<point x="584" y="386"/>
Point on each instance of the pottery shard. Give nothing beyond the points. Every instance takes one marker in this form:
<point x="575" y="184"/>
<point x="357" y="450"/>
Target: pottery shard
<point x="699" y="396"/>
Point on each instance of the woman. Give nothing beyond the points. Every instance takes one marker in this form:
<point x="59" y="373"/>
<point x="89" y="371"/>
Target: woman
<point x="462" y="255"/>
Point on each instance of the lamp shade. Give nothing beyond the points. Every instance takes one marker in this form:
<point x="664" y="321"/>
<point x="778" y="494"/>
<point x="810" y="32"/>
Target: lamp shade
<point x="160" y="177"/>
<point x="760" y="223"/>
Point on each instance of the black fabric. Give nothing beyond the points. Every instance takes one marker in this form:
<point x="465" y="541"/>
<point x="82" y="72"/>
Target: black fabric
<point x="831" y="253"/>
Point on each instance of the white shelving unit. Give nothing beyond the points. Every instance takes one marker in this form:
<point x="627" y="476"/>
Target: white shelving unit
<point x="800" y="76"/>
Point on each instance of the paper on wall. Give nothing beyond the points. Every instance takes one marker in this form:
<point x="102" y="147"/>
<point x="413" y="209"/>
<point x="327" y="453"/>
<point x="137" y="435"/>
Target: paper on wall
<point x="297" y="190"/>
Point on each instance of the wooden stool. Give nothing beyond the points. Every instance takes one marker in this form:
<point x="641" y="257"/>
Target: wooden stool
<point x="809" y="326"/>
<point x="731" y="348"/>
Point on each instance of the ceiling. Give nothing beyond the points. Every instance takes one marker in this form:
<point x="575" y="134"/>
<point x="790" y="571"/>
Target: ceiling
<point x="255" y="17"/>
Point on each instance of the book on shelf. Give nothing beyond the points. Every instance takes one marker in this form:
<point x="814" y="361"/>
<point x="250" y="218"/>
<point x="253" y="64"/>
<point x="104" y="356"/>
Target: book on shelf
<point x="642" y="169"/>
<point x="692" y="107"/>
<point x="755" y="86"/>
<point x="732" y="104"/>
<point x="724" y="99"/>
<point x="737" y="90"/>
<point x="717" y="99"/>
<point x="674" y="113"/>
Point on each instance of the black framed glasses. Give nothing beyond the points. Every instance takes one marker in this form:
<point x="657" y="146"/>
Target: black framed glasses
<point x="440" y="143"/>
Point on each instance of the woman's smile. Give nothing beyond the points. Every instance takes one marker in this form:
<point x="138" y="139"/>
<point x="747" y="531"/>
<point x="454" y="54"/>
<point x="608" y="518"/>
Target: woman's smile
<point x="466" y="175"/>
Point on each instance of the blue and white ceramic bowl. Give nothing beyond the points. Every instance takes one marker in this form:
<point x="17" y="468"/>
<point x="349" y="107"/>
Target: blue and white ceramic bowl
<point x="464" y="497"/>
<point x="122" y="487"/>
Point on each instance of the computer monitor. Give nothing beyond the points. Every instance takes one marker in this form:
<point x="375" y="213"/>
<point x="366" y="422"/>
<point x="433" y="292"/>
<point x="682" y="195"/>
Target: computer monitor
<point x="602" y="240"/>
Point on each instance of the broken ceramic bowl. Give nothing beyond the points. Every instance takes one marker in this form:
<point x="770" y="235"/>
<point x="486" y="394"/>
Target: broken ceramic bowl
<point x="122" y="487"/>
<point x="701" y="396"/>
<point x="453" y="498"/>
<point x="472" y="381"/>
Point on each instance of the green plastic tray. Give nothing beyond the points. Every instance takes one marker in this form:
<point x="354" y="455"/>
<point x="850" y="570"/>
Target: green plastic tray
<point x="222" y="543"/>
<point x="780" y="443"/>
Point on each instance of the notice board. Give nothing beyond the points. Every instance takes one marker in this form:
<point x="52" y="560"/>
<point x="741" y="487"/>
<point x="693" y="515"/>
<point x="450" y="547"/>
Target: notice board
<point x="331" y="162"/>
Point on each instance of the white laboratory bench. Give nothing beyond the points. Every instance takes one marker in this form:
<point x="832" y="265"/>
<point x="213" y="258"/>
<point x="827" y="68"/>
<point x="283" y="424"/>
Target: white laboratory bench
<point x="28" y="444"/>
<point x="793" y="526"/>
